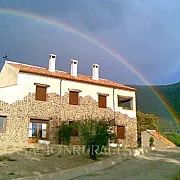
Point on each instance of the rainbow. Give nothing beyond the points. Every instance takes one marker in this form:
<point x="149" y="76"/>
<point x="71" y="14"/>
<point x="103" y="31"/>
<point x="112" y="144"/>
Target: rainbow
<point x="95" y="42"/>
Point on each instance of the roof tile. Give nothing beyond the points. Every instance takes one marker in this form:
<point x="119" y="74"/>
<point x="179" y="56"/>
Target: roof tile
<point x="64" y="75"/>
<point x="161" y="138"/>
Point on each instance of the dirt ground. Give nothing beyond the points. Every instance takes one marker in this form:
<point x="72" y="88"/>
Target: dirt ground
<point x="21" y="160"/>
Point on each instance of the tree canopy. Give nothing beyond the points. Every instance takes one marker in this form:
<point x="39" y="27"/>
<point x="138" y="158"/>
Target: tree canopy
<point x="146" y="121"/>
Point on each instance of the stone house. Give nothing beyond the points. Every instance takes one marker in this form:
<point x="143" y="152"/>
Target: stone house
<point x="34" y="100"/>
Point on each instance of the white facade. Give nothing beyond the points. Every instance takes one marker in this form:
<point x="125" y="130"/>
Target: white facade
<point x="25" y="85"/>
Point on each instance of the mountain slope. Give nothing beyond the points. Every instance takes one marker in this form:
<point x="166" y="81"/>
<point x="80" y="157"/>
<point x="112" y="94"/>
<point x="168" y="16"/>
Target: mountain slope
<point x="148" y="102"/>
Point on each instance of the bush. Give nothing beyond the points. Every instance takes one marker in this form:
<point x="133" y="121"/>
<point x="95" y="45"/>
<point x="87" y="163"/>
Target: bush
<point x="64" y="133"/>
<point x="151" y="141"/>
<point x="177" y="177"/>
<point x="175" y="138"/>
<point x="95" y="134"/>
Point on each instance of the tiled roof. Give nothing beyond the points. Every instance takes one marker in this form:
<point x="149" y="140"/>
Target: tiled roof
<point x="67" y="76"/>
<point x="161" y="138"/>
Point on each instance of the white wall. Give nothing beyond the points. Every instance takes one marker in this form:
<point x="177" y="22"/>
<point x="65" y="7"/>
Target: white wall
<point x="26" y="85"/>
<point x="8" y="76"/>
<point x="120" y="92"/>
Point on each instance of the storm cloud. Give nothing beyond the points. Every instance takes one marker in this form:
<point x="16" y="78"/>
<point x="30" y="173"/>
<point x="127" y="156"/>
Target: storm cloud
<point x="145" y="33"/>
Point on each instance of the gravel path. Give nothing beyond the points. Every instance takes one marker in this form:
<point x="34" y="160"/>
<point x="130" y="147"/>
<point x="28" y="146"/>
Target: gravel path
<point x="161" y="165"/>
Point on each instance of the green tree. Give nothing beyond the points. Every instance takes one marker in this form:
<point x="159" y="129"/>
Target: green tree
<point x="146" y="121"/>
<point x="95" y="134"/>
<point x="166" y="126"/>
<point x="64" y="133"/>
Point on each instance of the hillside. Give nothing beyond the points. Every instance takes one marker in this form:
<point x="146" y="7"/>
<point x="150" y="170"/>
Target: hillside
<point x="148" y="102"/>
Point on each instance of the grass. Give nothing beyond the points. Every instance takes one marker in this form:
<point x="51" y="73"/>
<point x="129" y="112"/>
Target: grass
<point x="4" y="158"/>
<point x="177" y="176"/>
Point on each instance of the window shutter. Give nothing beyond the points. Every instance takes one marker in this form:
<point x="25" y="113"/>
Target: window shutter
<point x="41" y="93"/>
<point x="73" y="98"/>
<point x="30" y="129"/>
<point x="120" y="132"/>
<point x="3" y="123"/>
<point x="44" y="127"/>
<point x="101" y="101"/>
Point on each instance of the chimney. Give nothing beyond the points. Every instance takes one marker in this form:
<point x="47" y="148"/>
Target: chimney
<point x="74" y="64"/>
<point x="52" y="62"/>
<point x="95" y="71"/>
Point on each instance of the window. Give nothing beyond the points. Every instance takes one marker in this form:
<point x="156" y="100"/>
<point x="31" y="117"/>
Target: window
<point x="38" y="129"/>
<point x="73" y="98"/>
<point x="125" y="102"/>
<point x="75" y="130"/>
<point x="120" y="132"/>
<point x="2" y="123"/>
<point x="41" y="91"/>
<point x="102" y="101"/>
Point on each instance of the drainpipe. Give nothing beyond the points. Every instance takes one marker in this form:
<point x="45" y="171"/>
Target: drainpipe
<point x="114" y="107"/>
<point x="114" y="103"/>
<point x="60" y="92"/>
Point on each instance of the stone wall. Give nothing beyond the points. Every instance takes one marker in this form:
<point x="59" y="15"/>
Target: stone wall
<point x="57" y="109"/>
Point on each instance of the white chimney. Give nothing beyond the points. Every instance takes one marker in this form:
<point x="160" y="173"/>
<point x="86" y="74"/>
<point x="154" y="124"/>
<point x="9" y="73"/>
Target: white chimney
<point x="74" y="64"/>
<point x="52" y="62"/>
<point x="95" y="71"/>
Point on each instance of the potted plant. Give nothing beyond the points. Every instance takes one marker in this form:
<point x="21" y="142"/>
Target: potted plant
<point x="151" y="143"/>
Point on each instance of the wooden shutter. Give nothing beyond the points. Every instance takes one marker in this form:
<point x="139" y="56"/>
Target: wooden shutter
<point x="73" y="98"/>
<point x="3" y="123"/>
<point x="41" y="93"/>
<point x="101" y="101"/>
<point x="120" y="132"/>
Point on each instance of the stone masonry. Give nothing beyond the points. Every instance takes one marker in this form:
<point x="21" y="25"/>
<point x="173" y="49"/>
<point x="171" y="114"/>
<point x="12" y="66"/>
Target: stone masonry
<point x="57" y="109"/>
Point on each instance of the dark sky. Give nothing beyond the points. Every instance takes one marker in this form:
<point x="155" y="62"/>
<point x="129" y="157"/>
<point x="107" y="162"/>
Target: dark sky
<point x="145" y="32"/>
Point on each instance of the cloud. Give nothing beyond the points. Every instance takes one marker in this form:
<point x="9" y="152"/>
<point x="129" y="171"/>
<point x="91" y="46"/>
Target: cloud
<point x="94" y="14"/>
<point x="146" y="33"/>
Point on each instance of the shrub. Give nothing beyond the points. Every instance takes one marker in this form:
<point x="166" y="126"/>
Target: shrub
<point x="95" y="134"/>
<point x="175" y="138"/>
<point x="177" y="177"/>
<point x="64" y="133"/>
<point x="151" y="141"/>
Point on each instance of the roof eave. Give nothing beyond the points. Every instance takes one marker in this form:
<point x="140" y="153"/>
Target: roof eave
<point x="73" y="79"/>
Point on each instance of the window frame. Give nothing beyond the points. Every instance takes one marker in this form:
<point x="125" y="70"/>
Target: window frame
<point x="126" y="99"/>
<point x="45" y="86"/>
<point x="40" y="121"/>
<point x="71" y="102"/>
<point x="3" y="130"/>
<point x="104" y="96"/>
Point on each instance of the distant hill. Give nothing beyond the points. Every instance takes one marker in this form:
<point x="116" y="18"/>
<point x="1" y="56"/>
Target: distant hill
<point x="148" y="102"/>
